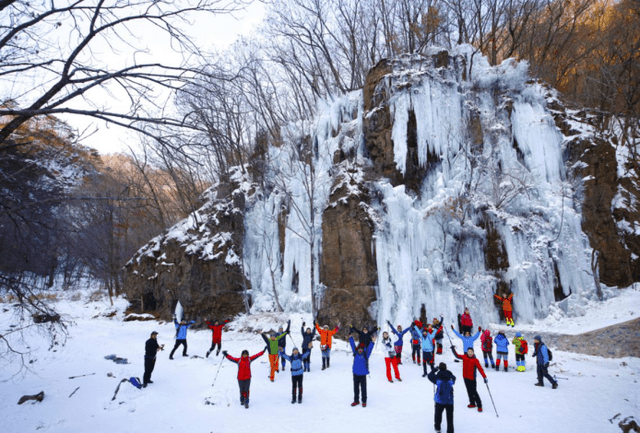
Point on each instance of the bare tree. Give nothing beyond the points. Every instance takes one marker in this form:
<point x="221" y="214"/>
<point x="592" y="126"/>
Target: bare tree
<point x="51" y="76"/>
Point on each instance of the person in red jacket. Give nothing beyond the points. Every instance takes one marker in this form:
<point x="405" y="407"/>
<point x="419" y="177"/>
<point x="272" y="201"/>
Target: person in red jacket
<point x="469" y="366"/>
<point x="465" y="322"/>
<point x="216" y="337"/>
<point x="244" y="372"/>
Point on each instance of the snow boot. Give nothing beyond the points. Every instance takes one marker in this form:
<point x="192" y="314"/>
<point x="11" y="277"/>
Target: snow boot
<point x="479" y="409"/>
<point x="364" y="404"/>
<point x="471" y="406"/>
<point x="293" y="399"/>
<point x="539" y="384"/>
<point x="208" y="353"/>
<point x="355" y="403"/>
<point x="486" y="365"/>
<point x="218" y="352"/>
<point x="554" y="386"/>
<point x="246" y="403"/>
<point x="300" y="398"/>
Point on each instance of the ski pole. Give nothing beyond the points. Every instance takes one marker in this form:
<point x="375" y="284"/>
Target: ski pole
<point x="82" y="375"/>
<point x="494" y="405"/>
<point x="563" y="378"/>
<point x="294" y="343"/>
<point x="219" y="365"/>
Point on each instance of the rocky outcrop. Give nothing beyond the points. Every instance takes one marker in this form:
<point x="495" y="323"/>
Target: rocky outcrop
<point x="196" y="262"/>
<point x="348" y="267"/>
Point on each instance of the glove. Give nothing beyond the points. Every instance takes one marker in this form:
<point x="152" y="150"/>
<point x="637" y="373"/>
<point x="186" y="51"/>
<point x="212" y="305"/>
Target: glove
<point x="224" y="352"/>
<point x="303" y="324"/>
<point x="546" y="365"/>
<point x="479" y="328"/>
<point x="452" y="327"/>
<point x="486" y="380"/>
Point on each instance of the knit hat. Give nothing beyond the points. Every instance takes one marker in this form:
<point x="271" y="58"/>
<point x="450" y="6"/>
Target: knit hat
<point x="154" y="333"/>
<point x="518" y="334"/>
<point x="537" y="337"/>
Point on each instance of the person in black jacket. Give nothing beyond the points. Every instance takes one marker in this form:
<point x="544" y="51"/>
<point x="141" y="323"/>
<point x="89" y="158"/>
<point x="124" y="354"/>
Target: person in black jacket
<point x="307" y="345"/>
<point x="364" y="336"/>
<point x="151" y="348"/>
<point x="444" y="380"/>
<point x="282" y="343"/>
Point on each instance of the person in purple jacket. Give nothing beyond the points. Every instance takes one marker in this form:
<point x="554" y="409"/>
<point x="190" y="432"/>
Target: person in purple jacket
<point x="360" y="370"/>
<point x="399" y="342"/>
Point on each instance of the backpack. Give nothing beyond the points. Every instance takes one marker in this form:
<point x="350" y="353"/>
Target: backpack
<point x="445" y="390"/>
<point x="550" y="354"/>
<point x="487" y="344"/>
<point x="135" y="381"/>
<point x="524" y="347"/>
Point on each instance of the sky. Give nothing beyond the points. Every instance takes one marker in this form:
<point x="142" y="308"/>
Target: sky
<point x="213" y="33"/>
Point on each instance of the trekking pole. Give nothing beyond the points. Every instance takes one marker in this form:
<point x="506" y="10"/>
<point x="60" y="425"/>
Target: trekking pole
<point x="82" y="375"/>
<point x="494" y="405"/>
<point x="450" y="342"/>
<point x="294" y="343"/>
<point x="220" y="365"/>
<point x="557" y="377"/>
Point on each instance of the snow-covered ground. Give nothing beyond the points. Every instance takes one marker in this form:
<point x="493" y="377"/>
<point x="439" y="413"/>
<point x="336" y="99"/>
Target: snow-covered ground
<point x="596" y="389"/>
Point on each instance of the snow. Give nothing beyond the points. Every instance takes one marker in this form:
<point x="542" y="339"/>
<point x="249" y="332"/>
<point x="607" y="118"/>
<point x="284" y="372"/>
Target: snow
<point x="176" y="401"/>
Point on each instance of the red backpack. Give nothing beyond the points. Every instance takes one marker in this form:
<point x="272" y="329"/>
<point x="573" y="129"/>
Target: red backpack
<point x="524" y="347"/>
<point x="487" y="344"/>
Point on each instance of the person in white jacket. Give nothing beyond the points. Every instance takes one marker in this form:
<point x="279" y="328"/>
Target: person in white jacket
<point x="390" y="358"/>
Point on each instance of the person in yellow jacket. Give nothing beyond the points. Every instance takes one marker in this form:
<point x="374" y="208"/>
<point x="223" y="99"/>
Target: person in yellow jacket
<point x="326" y="338"/>
<point x="522" y="348"/>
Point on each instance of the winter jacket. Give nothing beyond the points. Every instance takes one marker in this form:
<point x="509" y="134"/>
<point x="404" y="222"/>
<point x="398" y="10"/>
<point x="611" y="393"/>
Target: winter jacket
<point x="501" y="343"/>
<point x="506" y="302"/>
<point x="361" y="360"/>
<point x="388" y="347"/>
<point x="444" y="380"/>
<point x="326" y="335"/>
<point x="182" y="329"/>
<point x="487" y="341"/>
<point x="399" y="334"/>
<point x="282" y="342"/>
<point x="467" y="342"/>
<point x="244" y="364"/>
<point x="216" y="334"/>
<point x="427" y="341"/>
<point x="364" y="338"/>
<point x="307" y="338"/>
<point x="521" y="346"/>
<point x="416" y="333"/>
<point x="469" y="366"/>
<point x="296" y="362"/>
<point x="440" y="327"/>
<point x="151" y="348"/>
<point x="540" y="353"/>
<point x="273" y="344"/>
<point x="465" y="320"/>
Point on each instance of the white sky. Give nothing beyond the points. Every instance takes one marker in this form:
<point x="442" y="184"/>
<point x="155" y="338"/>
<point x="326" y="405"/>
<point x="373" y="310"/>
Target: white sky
<point x="215" y="33"/>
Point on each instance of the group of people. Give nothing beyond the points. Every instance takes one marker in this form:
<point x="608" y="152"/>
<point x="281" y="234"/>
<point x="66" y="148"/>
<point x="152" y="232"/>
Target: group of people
<point x="426" y="342"/>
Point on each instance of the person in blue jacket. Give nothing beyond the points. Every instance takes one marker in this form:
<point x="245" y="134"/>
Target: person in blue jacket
<point x="307" y="345"/>
<point x="181" y="335"/>
<point x="399" y="342"/>
<point x="297" y="370"/>
<point x="502" y="351"/>
<point x="426" y="338"/>
<point x="542" y="362"/>
<point x="467" y="339"/>
<point x="444" y="381"/>
<point x="360" y="370"/>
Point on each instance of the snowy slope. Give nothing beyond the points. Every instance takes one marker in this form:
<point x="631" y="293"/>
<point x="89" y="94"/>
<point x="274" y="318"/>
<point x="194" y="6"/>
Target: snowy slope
<point x="596" y="390"/>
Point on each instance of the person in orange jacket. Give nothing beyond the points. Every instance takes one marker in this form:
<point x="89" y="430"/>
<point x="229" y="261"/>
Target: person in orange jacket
<point x="507" y="308"/>
<point x="326" y="338"/>
<point x="469" y="366"/>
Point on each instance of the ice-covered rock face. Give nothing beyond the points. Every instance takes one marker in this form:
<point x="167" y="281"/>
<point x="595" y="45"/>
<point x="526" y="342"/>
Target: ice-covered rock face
<point x="492" y="210"/>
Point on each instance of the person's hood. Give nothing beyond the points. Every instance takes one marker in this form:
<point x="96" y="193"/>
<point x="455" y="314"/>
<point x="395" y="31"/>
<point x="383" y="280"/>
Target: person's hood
<point x="444" y="375"/>
<point x="539" y="338"/>
<point x="486" y="333"/>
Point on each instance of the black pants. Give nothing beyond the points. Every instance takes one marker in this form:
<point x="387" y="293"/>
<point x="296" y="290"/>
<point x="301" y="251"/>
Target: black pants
<point x="296" y="383"/>
<point x="427" y="358"/>
<point x="149" y="364"/>
<point x="244" y="389"/>
<point x="438" y="416"/>
<point x="543" y="372"/>
<point x="472" y="392"/>
<point x="307" y="361"/>
<point x="178" y="343"/>
<point x="415" y="352"/>
<point x="213" y="346"/>
<point x="519" y="357"/>
<point x="359" y="383"/>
